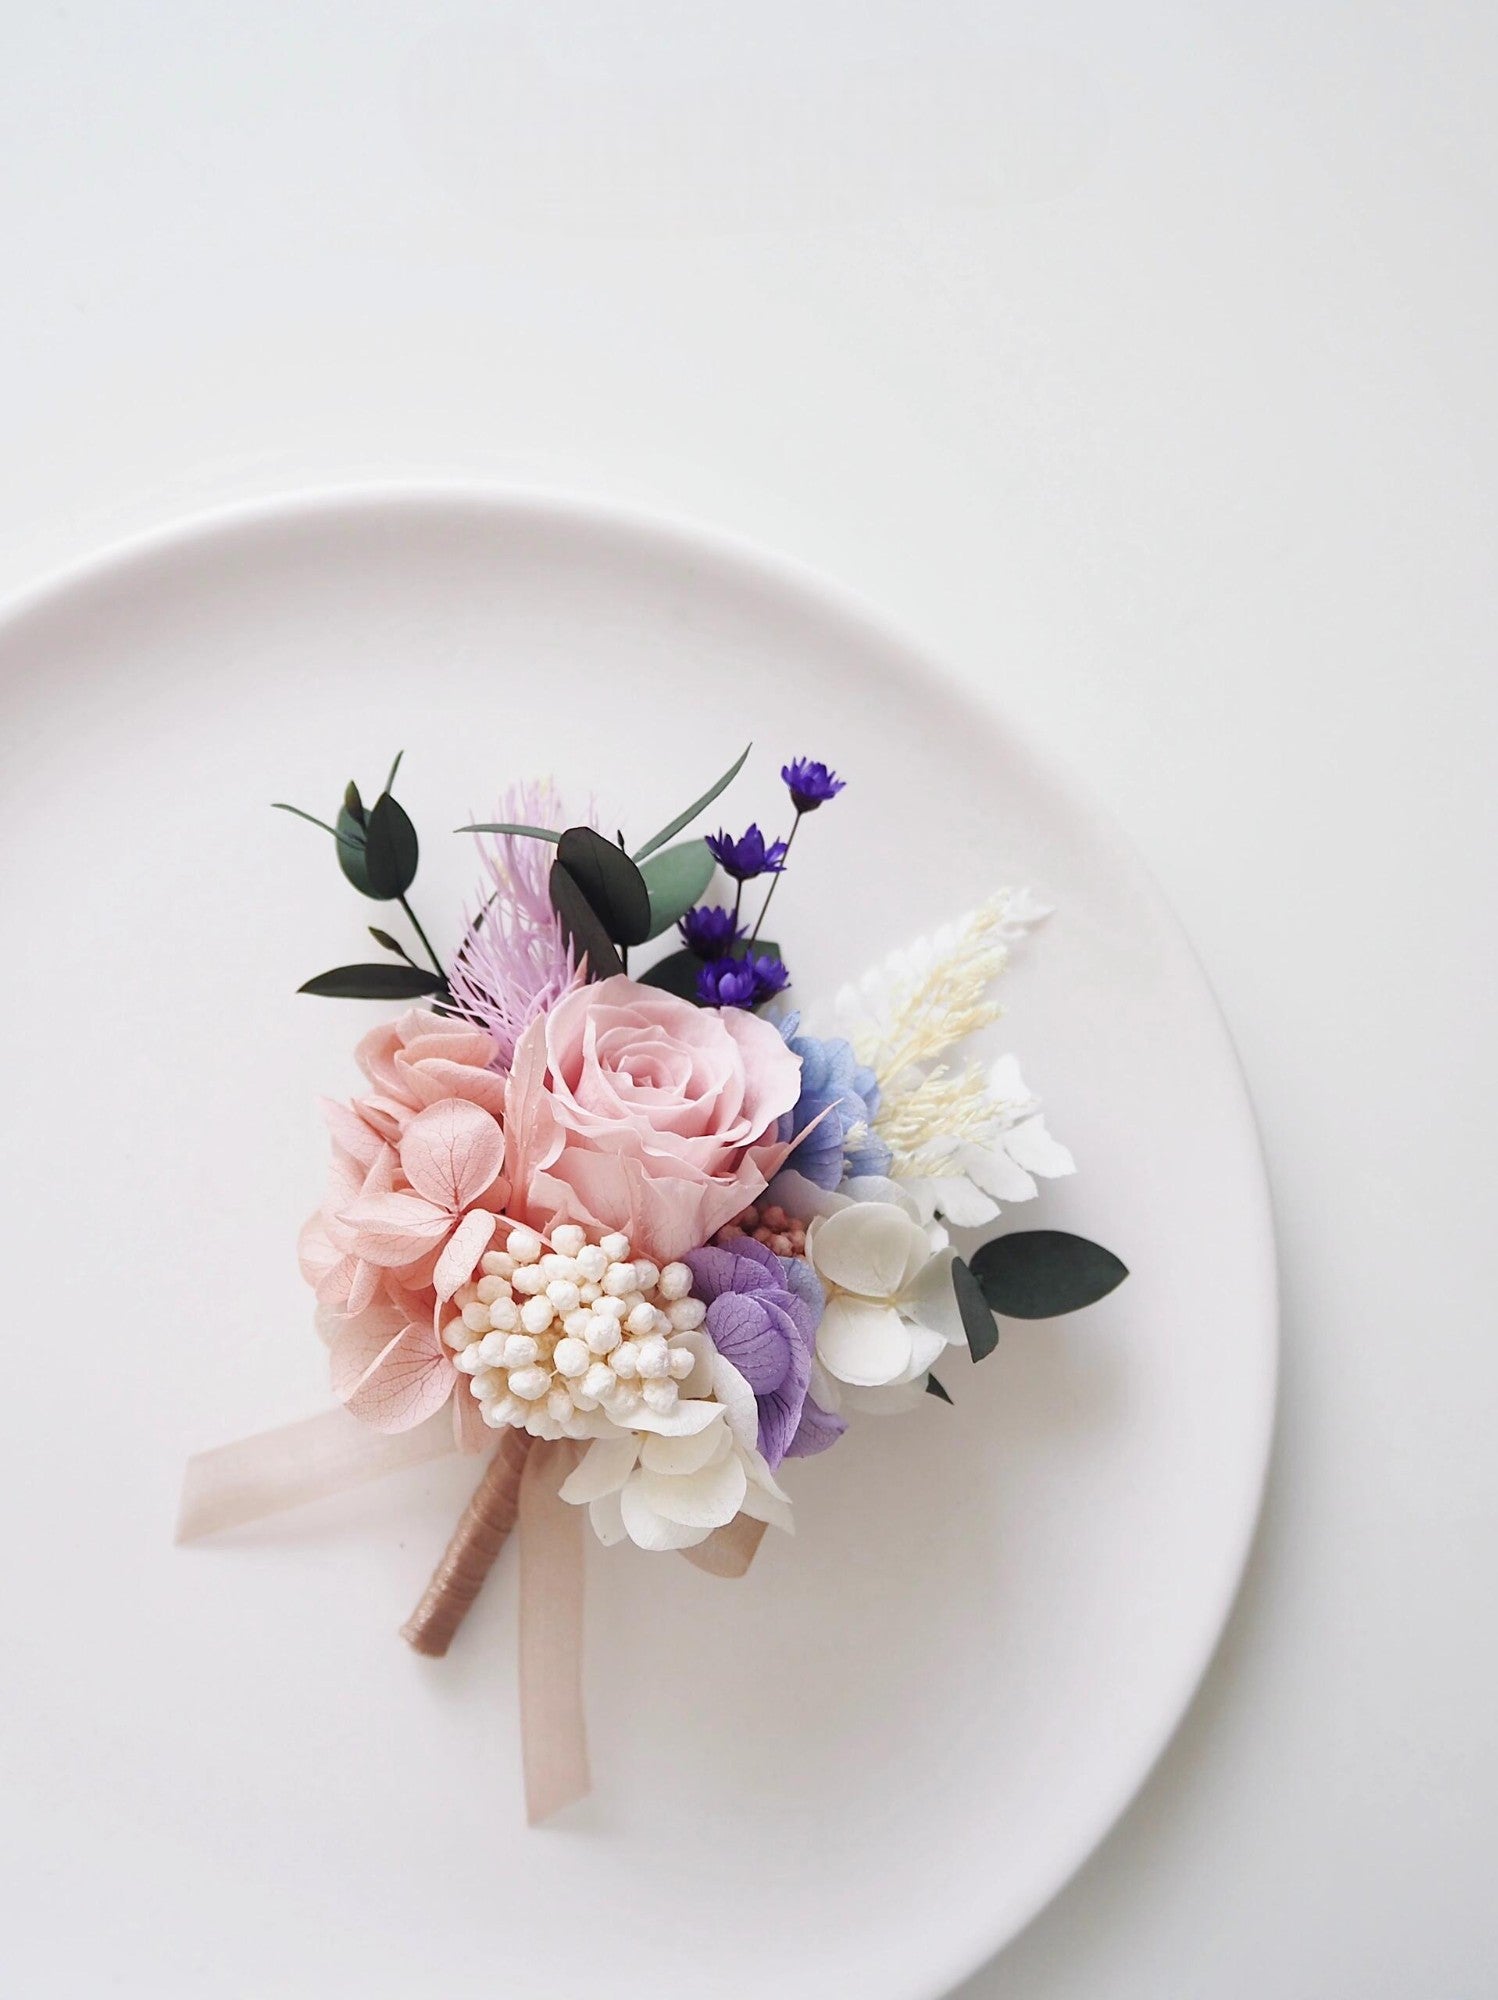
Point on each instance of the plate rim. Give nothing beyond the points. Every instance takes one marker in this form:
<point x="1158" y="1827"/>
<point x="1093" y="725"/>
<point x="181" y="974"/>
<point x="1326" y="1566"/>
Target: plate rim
<point x="750" y="561"/>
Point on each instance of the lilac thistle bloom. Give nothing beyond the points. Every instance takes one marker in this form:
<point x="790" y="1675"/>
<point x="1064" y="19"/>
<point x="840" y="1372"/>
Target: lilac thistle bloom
<point x="763" y="1312"/>
<point x="741" y="982"/>
<point x="710" y="931"/>
<point x="834" y="1083"/>
<point x="514" y="961"/>
<point x="811" y="785"/>
<point x="750" y="855"/>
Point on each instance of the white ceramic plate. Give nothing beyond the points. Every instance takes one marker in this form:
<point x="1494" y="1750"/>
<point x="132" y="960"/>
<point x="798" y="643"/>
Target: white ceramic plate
<point x="864" y="1767"/>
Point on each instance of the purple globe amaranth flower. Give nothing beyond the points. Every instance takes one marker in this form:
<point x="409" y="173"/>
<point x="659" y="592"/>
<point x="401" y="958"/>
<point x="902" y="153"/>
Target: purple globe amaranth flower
<point x="763" y="1312"/>
<point x="710" y="931"/>
<point x="811" y="785"/>
<point x="843" y="1094"/>
<point x="750" y="855"/>
<point x="741" y="982"/>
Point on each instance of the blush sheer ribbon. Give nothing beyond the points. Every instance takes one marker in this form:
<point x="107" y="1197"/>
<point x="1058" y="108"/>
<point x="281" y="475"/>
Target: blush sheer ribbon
<point x="265" y="1474"/>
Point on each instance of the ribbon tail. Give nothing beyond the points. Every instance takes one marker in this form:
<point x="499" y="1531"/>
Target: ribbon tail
<point x="261" y="1475"/>
<point x="728" y="1551"/>
<point x="553" y="1726"/>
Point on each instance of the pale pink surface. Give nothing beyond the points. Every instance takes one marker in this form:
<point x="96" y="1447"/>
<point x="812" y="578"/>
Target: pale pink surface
<point x="630" y="1109"/>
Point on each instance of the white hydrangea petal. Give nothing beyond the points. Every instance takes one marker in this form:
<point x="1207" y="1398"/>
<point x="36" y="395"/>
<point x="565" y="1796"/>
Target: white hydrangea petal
<point x="605" y="1466"/>
<point x="736" y="1400"/>
<point x="684" y="1419"/>
<point x="865" y="1248"/>
<point x="932" y="1303"/>
<point x="706" y="1498"/>
<point x="700" y="1382"/>
<point x="825" y="1391"/>
<point x="762" y="1506"/>
<point x="608" y="1519"/>
<point x="1032" y="1146"/>
<point x="862" y="1343"/>
<point x="678" y="1455"/>
<point x="964" y="1205"/>
<point x="649" y="1529"/>
<point x="759" y="1473"/>
<point x="879" y="1187"/>
<point x="927" y="1347"/>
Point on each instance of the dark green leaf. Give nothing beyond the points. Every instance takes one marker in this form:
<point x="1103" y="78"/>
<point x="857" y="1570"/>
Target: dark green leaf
<point x="390" y="944"/>
<point x="934" y="1388"/>
<point x="390" y="850"/>
<point x="352" y="858"/>
<point x="1041" y="1273"/>
<point x="280" y="806"/>
<point x="978" y="1322"/>
<point x="670" y="832"/>
<point x="373" y="982"/>
<point x="390" y="781"/>
<point x="611" y="882"/>
<point x="588" y="937"/>
<point x="509" y="826"/>
<point x="676" y="878"/>
<point x="353" y="805"/>
<point x="676" y="974"/>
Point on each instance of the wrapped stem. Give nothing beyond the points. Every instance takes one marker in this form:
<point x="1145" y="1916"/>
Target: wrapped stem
<point x="477" y="1540"/>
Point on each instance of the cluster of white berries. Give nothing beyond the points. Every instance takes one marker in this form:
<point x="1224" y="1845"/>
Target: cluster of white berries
<point x="556" y="1341"/>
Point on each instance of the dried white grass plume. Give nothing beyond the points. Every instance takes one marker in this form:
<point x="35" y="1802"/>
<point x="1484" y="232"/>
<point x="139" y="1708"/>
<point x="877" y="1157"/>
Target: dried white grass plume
<point x="924" y="999"/>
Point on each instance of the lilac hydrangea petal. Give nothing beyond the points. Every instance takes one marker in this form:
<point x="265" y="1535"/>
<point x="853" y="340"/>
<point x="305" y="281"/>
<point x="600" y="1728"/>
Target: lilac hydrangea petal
<point x="817" y="1429"/>
<point x="745" y="1334"/>
<point x="780" y="1410"/>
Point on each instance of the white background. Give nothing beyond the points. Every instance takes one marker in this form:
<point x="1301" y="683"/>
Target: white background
<point x="1142" y="360"/>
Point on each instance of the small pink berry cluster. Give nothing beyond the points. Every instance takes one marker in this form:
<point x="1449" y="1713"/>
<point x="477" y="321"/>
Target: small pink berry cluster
<point x="771" y="1226"/>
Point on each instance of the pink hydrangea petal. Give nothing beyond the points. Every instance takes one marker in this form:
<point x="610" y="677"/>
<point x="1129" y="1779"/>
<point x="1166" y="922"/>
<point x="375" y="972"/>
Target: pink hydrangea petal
<point x="452" y="1153"/>
<point x="462" y="1251"/>
<point x="394" y="1229"/>
<point x="409" y="1379"/>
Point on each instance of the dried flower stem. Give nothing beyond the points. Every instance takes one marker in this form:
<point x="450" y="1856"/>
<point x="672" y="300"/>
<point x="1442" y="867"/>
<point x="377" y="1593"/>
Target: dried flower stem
<point x="477" y="1540"/>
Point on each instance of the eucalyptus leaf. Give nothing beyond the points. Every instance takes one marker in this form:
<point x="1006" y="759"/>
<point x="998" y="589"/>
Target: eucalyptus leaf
<point x="978" y="1322"/>
<point x="1042" y="1273"/>
<point x="934" y="1388"/>
<point x="682" y="819"/>
<point x="760" y="947"/>
<point x="390" y="781"/>
<point x="676" y="878"/>
<point x="374" y="982"/>
<point x="676" y="974"/>
<point x="390" y="944"/>
<point x="352" y="843"/>
<point x="353" y="805"/>
<point x="611" y="882"/>
<point x="390" y="850"/>
<point x="580" y="922"/>
<point x="510" y="826"/>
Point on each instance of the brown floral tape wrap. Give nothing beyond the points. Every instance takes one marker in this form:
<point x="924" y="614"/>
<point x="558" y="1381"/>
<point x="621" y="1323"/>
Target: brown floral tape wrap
<point x="482" y="1531"/>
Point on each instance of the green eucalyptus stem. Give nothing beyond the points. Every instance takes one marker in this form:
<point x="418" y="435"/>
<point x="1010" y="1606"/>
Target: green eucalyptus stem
<point x="437" y="965"/>
<point x="775" y="880"/>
